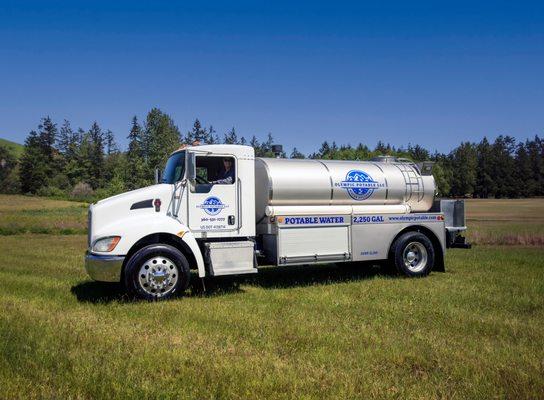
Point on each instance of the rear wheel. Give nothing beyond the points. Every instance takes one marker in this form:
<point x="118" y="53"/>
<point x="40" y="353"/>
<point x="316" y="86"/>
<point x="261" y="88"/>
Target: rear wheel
<point x="412" y="253"/>
<point x="157" y="272"/>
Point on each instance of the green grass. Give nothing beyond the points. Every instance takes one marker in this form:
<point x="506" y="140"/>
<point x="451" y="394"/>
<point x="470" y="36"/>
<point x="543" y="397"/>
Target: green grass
<point x="15" y="148"/>
<point x="315" y="332"/>
<point x="24" y="214"/>
<point x="344" y="331"/>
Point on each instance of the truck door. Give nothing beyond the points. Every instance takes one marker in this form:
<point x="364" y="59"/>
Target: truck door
<point x="213" y="202"/>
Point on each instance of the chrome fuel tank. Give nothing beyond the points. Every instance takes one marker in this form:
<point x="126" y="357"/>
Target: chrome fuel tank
<point x="281" y="182"/>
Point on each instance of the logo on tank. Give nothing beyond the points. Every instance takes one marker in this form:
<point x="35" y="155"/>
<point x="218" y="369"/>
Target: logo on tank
<point x="212" y="205"/>
<point x="359" y="184"/>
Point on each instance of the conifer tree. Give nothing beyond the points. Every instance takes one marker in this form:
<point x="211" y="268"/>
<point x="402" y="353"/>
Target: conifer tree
<point x="535" y="152"/>
<point x="135" y="165"/>
<point x="254" y="143"/>
<point x="196" y="134"/>
<point x="68" y="144"/>
<point x="65" y="137"/>
<point x="485" y="185"/>
<point x="33" y="172"/>
<point x="417" y="153"/>
<point x="324" y="151"/>
<point x="162" y="137"/>
<point x="231" y="137"/>
<point x="47" y="137"/>
<point x="382" y="148"/>
<point x="38" y="159"/>
<point x="211" y="136"/>
<point x="503" y="166"/>
<point x="464" y="161"/>
<point x="94" y="156"/>
<point x="296" y="154"/>
<point x="523" y="173"/>
<point x="110" y="144"/>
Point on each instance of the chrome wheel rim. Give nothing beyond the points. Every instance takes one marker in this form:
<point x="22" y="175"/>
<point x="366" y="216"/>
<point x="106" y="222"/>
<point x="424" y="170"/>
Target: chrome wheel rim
<point x="158" y="276"/>
<point x="415" y="256"/>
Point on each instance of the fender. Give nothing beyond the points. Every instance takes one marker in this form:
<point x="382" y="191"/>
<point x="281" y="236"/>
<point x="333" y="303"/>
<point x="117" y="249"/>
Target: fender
<point x="135" y="227"/>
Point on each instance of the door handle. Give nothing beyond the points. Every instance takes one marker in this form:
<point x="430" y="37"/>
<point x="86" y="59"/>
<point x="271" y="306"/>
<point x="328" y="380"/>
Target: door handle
<point x="231" y="220"/>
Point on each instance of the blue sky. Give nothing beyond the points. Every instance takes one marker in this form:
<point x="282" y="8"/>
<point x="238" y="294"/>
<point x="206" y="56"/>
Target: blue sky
<point x="427" y="73"/>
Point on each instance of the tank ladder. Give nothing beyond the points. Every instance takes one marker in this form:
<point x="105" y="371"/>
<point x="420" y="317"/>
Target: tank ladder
<point x="413" y="182"/>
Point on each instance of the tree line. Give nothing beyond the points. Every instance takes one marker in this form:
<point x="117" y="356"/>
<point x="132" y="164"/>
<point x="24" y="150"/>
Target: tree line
<point x="63" y="162"/>
<point x="502" y="168"/>
<point x="59" y="161"/>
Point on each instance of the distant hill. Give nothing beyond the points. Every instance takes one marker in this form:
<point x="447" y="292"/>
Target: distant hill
<point x="15" y="148"/>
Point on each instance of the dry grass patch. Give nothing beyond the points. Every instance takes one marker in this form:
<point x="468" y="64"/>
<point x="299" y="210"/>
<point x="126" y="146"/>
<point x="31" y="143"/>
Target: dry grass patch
<point x="505" y="221"/>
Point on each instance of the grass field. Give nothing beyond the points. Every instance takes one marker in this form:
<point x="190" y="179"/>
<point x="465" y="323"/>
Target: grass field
<point x="506" y="222"/>
<point x="24" y="214"/>
<point x="15" y="148"/>
<point x="475" y="331"/>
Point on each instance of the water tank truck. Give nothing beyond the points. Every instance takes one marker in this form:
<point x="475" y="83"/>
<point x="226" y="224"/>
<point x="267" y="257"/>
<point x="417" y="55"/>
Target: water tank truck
<point x="220" y="211"/>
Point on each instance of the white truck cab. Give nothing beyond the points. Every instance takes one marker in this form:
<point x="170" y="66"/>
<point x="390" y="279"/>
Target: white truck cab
<point x="220" y="211"/>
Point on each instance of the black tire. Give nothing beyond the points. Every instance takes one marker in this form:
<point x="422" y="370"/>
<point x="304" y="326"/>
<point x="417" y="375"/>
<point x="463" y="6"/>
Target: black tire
<point x="412" y="253"/>
<point x="147" y="265"/>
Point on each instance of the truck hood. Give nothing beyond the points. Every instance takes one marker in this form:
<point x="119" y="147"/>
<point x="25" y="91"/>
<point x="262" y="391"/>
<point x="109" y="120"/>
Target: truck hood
<point x="161" y="191"/>
<point x="116" y="208"/>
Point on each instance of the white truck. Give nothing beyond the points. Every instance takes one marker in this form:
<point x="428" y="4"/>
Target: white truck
<point x="221" y="211"/>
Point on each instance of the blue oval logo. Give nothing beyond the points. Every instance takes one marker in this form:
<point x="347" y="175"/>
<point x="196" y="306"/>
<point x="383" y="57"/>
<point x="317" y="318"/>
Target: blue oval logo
<point x="212" y="205"/>
<point x="359" y="184"/>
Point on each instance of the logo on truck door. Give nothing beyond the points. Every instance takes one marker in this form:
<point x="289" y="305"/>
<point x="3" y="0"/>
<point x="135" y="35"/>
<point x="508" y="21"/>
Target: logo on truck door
<point x="212" y="205"/>
<point x="359" y="184"/>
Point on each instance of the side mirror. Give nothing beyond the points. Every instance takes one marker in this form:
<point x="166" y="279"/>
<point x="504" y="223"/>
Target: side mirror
<point x="191" y="167"/>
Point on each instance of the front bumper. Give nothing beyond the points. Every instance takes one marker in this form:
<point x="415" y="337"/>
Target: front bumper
<point x="104" y="268"/>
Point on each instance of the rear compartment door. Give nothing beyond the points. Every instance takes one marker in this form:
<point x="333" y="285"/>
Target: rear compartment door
<point x="313" y="239"/>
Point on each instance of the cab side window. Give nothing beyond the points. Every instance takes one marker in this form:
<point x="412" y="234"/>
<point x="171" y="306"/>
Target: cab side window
<point x="213" y="170"/>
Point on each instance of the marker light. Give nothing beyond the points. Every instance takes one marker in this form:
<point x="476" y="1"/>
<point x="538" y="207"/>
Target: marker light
<point x="157" y="203"/>
<point x="106" y="244"/>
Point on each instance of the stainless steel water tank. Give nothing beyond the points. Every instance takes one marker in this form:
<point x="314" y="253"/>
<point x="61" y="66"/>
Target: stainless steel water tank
<point x="280" y="182"/>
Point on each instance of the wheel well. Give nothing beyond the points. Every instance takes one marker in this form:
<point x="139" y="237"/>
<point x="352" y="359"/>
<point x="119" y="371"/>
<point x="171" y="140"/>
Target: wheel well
<point x="439" y="258"/>
<point x="163" y="238"/>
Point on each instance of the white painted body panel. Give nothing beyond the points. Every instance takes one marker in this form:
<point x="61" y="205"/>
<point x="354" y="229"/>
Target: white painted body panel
<point x="238" y="199"/>
<point x="372" y="235"/>
<point x="304" y="239"/>
<point x="113" y="217"/>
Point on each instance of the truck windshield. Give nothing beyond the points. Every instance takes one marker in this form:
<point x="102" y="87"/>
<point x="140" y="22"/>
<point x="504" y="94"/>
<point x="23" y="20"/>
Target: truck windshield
<point x="175" y="168"/>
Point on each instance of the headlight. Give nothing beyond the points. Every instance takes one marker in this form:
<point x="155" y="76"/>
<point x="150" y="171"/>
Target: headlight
<point x="106" y="244"/>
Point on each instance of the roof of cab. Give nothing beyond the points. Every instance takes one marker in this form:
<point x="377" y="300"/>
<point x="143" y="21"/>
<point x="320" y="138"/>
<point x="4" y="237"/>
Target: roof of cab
<point x="237" y="150"/>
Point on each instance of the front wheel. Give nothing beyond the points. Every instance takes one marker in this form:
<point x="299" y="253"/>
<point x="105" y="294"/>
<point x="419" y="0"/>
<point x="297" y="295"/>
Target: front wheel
<point x="157" y="272"/>
<point x="412" y="253"/>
